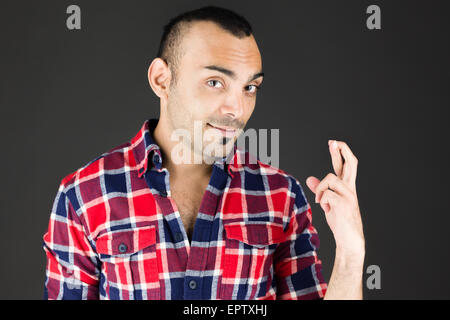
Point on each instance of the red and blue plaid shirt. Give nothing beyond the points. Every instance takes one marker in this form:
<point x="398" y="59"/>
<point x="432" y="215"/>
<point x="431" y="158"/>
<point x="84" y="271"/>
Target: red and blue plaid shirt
<point x="115" y="232"/>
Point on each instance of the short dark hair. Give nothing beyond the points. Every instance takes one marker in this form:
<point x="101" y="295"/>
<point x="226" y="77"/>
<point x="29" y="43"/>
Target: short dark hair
<point x="173" y="32"/>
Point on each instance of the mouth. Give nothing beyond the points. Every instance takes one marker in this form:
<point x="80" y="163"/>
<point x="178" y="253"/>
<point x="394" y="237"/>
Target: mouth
<point x="227" y="132"/>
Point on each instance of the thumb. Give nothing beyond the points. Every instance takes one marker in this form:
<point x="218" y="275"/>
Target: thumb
<point x="312" y="183"/>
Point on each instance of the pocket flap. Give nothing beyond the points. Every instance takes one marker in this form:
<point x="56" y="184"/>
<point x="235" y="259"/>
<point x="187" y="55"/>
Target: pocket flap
<point x="255" y="234"/>
<point x="126" y="242"/>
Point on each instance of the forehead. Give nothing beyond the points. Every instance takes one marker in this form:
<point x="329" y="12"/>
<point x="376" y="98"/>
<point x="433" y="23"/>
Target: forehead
<point x="207" y="43"/>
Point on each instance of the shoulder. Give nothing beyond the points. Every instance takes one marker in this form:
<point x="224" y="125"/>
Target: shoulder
<point x="84" y="184"/>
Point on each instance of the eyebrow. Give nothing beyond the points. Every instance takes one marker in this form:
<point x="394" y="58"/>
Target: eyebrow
<point x="232" y="74"/>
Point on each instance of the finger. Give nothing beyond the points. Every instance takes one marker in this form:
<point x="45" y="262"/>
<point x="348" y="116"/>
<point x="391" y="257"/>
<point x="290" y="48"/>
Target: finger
<point x="312" y="183"/>
<point x="328" y="200"/>
<point x="325" y="207"/>
<point x="350" y="163"/>
<point x="336" y="157"/>
<point x="334" y="183"/>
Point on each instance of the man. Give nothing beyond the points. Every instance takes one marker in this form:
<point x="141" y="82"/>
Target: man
<point x="138" y="223"/>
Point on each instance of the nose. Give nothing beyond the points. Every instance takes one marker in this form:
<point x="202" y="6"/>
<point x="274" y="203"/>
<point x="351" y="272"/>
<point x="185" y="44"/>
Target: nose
<point x="233" y="106"/>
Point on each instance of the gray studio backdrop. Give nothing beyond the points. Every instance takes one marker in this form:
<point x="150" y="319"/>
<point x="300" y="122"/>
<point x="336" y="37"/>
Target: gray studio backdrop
<point x="67" y="96"/>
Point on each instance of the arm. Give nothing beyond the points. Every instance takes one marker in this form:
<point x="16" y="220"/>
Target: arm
<point x="336" y="194"/>
<point x="72" y="268"/>
<point x="346" y="277"/>
<point x="297" y="268"/>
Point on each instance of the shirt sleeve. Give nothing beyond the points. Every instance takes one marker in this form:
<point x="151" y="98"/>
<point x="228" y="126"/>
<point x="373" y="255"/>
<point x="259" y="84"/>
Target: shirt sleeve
<point x="71" y="263"/>
<point x="297" y="268"/>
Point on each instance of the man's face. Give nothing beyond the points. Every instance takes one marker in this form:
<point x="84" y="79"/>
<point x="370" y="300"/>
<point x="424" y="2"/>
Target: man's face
<point x="216" y="83"/>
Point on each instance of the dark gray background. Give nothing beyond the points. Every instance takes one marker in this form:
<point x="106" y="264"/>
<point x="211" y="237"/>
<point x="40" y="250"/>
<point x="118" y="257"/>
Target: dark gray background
<point x="68" y="96"/>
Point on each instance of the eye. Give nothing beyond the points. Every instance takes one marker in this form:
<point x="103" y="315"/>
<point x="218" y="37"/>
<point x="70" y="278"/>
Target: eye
<point x="252" y="88"/>
<point x="214" y="83"/>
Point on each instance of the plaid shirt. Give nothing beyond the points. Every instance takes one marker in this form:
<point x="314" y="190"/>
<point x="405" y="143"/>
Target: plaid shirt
<point x="115" y="232"/>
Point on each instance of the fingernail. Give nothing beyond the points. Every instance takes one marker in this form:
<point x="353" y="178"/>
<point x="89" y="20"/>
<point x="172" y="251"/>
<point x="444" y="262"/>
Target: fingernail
<point x="334" y="144"/>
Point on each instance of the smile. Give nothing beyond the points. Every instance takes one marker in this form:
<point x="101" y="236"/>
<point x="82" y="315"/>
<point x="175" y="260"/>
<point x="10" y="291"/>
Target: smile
<point x="227" y="132"/>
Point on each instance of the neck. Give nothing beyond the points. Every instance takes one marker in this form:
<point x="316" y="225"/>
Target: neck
<point x="161" y="135"/>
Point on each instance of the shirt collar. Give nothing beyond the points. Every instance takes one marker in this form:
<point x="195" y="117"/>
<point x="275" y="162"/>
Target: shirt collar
<point x="145" y="148"/>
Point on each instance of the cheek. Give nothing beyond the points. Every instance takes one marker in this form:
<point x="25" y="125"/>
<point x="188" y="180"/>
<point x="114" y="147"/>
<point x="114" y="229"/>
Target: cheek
<point x="205" y="102"/>
<point x="249" y="108"/>
<point x="183" y="99"/>
<point x="202" y="93"/>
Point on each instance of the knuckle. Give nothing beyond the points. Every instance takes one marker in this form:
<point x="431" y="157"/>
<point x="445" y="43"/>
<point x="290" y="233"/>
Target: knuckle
<point x="330" y="176"/>
<point x="326" y="196"/>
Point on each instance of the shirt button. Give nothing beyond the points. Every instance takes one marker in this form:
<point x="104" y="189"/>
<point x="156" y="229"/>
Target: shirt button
<point x="178" y="236"/>
<point x="123" y="248"/>
<point x="193" y="284"/>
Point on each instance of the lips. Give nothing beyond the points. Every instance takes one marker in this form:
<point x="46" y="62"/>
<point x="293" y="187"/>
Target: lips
<point x="228" y="132"/>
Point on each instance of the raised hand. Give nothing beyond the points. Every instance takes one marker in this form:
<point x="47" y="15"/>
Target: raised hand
<point x="336" y="194"/>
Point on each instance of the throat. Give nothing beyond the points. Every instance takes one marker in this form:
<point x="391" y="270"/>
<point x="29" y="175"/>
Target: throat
<point x="188" y="197"/>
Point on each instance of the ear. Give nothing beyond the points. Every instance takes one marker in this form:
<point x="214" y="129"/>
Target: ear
<point x="159" y="77"/>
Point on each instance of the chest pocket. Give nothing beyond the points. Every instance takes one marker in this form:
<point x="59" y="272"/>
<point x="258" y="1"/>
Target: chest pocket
<point x="129" y="264"/>
<point x="248" y="259"/>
